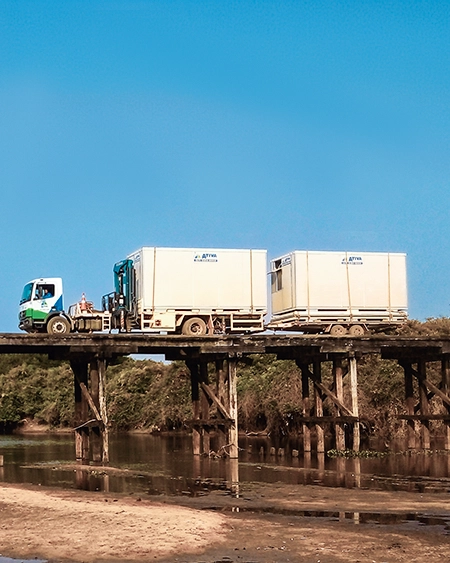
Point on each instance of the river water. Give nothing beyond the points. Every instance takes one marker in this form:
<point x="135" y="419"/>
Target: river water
<point x="164" y="464"/>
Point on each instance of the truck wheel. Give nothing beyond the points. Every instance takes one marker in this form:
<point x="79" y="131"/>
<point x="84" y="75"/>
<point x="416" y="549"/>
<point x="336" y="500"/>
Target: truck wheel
<point x="356" y="330"/>
<point x="338" y="330"/>
<point x="194" y="326"/>
<point x="58" y="325"/>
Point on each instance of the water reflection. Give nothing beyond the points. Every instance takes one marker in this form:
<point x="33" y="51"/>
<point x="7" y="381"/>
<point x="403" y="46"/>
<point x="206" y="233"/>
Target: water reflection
<point x="9" y="560"/>
<point x="164" y="465"/>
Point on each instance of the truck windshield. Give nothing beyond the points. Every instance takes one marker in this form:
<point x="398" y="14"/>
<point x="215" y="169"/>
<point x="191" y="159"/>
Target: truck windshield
<point x="26" y="294"/>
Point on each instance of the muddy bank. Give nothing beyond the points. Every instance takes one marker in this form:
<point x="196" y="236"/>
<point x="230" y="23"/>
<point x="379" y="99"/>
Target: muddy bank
<point x="267" y="523"/>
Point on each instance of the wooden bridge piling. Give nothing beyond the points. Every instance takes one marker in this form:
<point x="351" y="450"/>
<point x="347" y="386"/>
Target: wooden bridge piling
<point x="232" y="390"/>
<point x="339" y="388"/>
<point x="222" y="396"/>
<point x="418" y="412"/>
<point x="445" y="373"/>
<point x="424" y="404"/>
<point x="223" y="400"/>
<point x="354" y="401"/>
<point x="91" y="418"/>
<point x="204" y="408"/>
<point x="80" y="372"/>
<point x="306" y="408"/>
<point x="335" y="393"/>
<point x="318" y="405"/>
<point x="409" y="404"/>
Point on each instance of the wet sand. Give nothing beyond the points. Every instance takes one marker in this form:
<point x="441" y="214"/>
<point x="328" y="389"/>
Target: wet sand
<point x="266" y="524"/>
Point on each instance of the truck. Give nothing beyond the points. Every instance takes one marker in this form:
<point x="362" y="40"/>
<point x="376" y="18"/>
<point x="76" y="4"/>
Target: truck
<point x="41" y="309"/>
<point x="338" y="292"/>
<point x="186" y="291"/>
<point x="195" y="292"/>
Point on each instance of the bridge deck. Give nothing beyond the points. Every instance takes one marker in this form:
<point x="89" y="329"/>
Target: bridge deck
<point x="182" y="347"/>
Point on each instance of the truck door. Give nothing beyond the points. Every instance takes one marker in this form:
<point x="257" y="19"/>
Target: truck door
<point x="46" y="297"/>
<point x="124" y="281"/>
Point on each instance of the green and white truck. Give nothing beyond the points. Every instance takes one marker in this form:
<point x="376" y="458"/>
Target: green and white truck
<point x="41" y="309"/>
<point x="188" y="291"/>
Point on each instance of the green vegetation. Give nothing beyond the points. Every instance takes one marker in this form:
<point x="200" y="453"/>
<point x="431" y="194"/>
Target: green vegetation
<point x="35" y="387"/>
<point x="152" y="395"/>
<point x="361" y="453"/>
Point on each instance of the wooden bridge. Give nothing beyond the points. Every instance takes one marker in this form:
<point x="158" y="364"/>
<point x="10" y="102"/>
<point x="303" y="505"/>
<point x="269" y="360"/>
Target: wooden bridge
<point x="215" y="403"/>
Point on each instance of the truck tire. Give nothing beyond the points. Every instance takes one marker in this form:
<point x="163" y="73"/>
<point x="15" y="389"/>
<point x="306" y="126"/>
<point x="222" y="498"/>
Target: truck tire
<point x="195" y="326"/>
<point x="338" y="330"/>
<point x="58" y="325"/>
<point x="356" y="330"/>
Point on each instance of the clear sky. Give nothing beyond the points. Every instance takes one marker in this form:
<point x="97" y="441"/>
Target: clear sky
<point x="309" y="125"/>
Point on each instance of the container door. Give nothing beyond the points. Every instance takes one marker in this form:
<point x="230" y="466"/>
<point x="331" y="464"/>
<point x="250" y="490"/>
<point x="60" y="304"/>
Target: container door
<point x="281" y="284"/>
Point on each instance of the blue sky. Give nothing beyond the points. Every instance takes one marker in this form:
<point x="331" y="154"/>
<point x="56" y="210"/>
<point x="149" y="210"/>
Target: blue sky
<point x="280" y="125"/>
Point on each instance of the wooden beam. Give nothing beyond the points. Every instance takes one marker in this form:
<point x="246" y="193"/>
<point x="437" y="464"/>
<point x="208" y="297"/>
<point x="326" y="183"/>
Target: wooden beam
<point x="435" y="390"/>
<point x="333" y="397"/>
<point x="330" y="394"/>
<point x="91" y="403"/>
<point x="306" y="409"/>
<point x="332" y="419"/>
<point x="232" y="387"/>
<point x="223" y="411"/>
<point x="195" y="394"/>
<point x="423" y="416"/>
<point x="338" y="383"/>
<point x="210" y="422"/>
<point x="80" y="373"/>
<point x="95" y="434"/>
<point x="103" y="408"/>
<point x="409" y="403"/>
<point x="318" y="405"/>
<point x="424" y="404"/>
<point x="204" y="407"/>
<point x="222" y="396"/>
<point x="354" y="396"/>
<point x="445" y="372"/>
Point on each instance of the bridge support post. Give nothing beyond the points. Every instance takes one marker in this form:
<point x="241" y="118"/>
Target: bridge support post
<point x="204" y="409"/>
<point x="445" y="370"/>
<point x="95" y="437"/>
<point x="223" y="399"/>
<point x="91" y="418"/>
<point x="233" y="407"/>
<point x="195" y="395"/>
<point x="339" y="388"/>
<point x="103" y="409"/>
<point x="354" y="398"/>
<point x="222" y="395"/>
<point x="306" y="407"/>
<point x="409" y="403"/>
<point x="424" y="404"/>
<point x="335" y="395"/>
<point x="419" y="412"/>
<point x="80" y="372"/>
<point x="318" y="405"/>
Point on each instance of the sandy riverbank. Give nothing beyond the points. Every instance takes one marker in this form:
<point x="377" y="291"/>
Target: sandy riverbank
<point x="69" y="525"/>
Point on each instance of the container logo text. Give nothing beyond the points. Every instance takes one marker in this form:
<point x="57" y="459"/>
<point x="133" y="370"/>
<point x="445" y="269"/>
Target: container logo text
<point x="352" y="261"/>
<point x="206" y="257"/>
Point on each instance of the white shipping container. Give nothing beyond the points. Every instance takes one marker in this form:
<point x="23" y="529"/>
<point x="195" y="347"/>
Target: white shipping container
<point x="321" y="289"/>
<point x="172" y="283"/>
